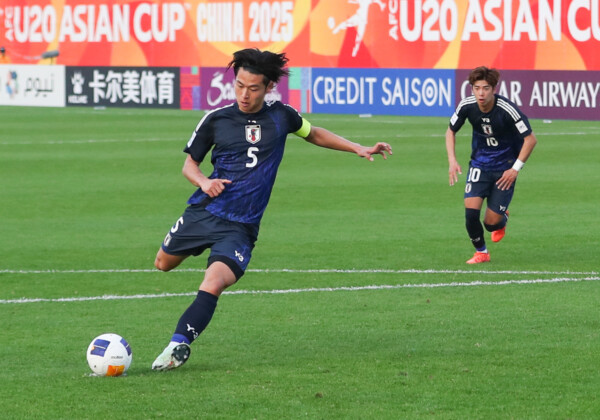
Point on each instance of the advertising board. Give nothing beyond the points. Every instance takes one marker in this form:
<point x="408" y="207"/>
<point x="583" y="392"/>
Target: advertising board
<point x="144" y="87"/>
<point x="217" y="88"/>
<point x="546" y="94"/>
<point x="440" y="34"/>
<point x="383" y="91"/>
<point x="22" y="85"/>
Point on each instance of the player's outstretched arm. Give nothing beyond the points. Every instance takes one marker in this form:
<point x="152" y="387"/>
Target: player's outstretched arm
<point x="325" y="138"/>
<point x="212" y="187"/>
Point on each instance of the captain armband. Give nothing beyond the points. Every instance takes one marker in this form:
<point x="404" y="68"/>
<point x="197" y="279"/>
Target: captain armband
<point x="304" y="130"/>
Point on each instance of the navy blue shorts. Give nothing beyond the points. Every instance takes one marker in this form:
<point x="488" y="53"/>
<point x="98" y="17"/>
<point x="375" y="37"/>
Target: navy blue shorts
<point x="197" y="230"/>
<point x="481" y="183"/>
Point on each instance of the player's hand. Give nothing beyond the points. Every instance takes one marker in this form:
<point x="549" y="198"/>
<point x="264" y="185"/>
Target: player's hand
<point x="453" y="171"/>
<point x="214" y="187"/>
<point x="379" y="149"/>
<point x="507" y="180"/>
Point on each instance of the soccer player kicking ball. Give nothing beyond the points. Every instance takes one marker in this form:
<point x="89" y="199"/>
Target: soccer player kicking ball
<point x="247" y="140"/>
<point x="501" y="144"/>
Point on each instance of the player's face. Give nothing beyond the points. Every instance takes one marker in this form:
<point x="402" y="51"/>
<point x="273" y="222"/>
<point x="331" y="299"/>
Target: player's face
<point x="484" y="93"/>
<point x="250" y="91"/>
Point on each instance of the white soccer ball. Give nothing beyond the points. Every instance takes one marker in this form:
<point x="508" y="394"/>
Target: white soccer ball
<point x="109" y="355"/>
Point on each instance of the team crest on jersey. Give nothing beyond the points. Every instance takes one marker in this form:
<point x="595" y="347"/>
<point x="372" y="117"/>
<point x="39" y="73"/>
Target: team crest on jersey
<point x="253" y="133"/>
<point x="487" y="129"/>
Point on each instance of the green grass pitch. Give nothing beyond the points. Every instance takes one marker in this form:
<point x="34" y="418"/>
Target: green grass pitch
<point x="358" y="302"/>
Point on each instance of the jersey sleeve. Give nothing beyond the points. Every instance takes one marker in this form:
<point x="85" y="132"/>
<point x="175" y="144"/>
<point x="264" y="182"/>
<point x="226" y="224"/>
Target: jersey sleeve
<point x="515" y="118"/>
<point x="201" y="140"/>
<point x="296" y="124"/>
<point x="523" y="126"/>
<point x="460" y="114"/>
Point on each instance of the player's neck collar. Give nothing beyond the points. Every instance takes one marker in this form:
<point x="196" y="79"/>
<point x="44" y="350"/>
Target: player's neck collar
<point x="264" y="105"/>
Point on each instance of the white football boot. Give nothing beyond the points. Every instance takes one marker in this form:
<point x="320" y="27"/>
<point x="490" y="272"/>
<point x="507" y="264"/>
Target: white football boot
<point x="173" y="356"/>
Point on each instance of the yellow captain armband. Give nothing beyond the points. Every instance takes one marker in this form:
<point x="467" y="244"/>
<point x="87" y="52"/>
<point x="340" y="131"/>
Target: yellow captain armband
<point x="304" y="131"/>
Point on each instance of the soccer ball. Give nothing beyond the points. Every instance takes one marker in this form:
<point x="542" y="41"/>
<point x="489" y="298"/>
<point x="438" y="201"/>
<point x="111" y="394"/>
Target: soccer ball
<point x="109" y="355"/>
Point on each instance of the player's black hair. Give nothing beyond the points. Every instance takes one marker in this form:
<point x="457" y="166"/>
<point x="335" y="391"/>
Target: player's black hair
<point x="266" y="63"/>
<point x="483" y="73"/>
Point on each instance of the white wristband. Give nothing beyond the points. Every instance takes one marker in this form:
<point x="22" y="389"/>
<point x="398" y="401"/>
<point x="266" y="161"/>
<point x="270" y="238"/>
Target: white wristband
<point x="518" y="165"/>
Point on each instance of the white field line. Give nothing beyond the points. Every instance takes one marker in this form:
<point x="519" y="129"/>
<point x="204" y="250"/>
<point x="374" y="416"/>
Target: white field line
<point x="305" y="271"/>
<point x="311" y="289"/>
<point x="90" y="141"/>
<point x="179" y="140"/>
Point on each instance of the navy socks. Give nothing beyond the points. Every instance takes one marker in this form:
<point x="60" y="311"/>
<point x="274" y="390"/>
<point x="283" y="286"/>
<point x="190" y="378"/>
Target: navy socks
<point x="195" y="318"/>
<point x="475" y="229"/>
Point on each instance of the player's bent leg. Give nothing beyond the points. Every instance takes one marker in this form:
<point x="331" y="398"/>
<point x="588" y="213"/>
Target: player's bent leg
<point x="191" y="324"/>
<point x="493" y="218"/>
<point x="219" y="276"/>
<point x="167" y="262"/>
<point x="197" y="316"/>
<point x="496" y="223"/>
<point x="497" y="214"/>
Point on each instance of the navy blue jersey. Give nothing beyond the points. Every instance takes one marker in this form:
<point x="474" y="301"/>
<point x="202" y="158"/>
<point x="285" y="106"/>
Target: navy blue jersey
<point x="246" y="149"/>
<point x="497" y="135"/>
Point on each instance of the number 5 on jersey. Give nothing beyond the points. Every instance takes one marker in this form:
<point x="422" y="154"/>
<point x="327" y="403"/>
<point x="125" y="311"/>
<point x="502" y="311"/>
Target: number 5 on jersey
<point x="253" y="158"/>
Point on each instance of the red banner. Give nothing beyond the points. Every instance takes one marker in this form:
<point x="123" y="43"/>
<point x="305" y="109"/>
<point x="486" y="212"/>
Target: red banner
<point x="508" y="34"/>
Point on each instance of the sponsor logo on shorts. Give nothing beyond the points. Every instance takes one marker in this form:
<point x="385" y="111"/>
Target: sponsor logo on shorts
<point x="239" y="256"/>
<point x="167" y="240"/>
